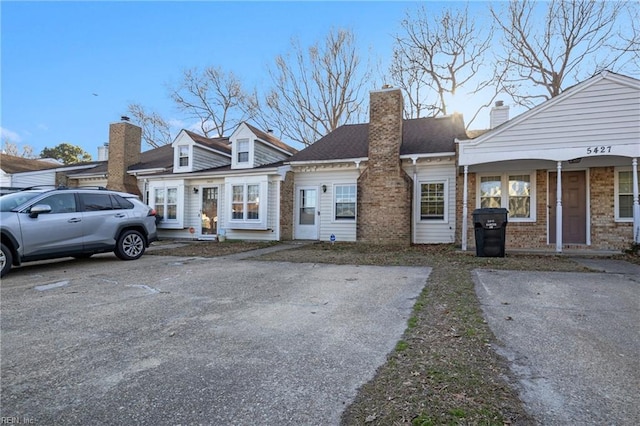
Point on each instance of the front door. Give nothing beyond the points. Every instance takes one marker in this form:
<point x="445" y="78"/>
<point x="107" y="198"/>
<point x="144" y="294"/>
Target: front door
<point x="574" y="207"/>
<point x="306" y="227"/>
<point x="209" y="212"/>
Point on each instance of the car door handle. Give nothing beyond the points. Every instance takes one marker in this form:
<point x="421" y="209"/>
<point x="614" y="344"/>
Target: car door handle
<point x="74" y="220"/>
<point x="121" y="215"/>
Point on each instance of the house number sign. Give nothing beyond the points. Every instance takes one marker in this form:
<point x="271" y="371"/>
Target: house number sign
<point x="592" y="150"/>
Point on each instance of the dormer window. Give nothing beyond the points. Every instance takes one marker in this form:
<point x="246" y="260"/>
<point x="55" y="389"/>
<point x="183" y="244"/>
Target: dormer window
<point x="183" y="155"/>
<point x="243" y="150"/>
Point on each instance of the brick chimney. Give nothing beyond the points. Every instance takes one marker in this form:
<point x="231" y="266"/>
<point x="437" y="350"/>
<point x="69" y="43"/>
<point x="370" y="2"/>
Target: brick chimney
<point x="384" y="189"/>
<point x="125" y="141"/>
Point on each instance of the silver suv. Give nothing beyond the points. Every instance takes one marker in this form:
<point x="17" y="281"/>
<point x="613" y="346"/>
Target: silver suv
<point x="39" y="224"/>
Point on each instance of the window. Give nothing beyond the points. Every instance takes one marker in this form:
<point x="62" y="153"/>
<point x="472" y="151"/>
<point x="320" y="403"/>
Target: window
<point x="183" y="155"/>
<point x="624" y="199"/>
<point x="432" y="201"/>
<point x="166" y="203"/>
<point x="245" y="202"/>
<point x="514" y="192"/>
<point x="490" y="192"/>
<point x="60" y="203"/>
<point x="96" y="202"/>
<point x="519" y="196"/>
<point x="243" y="150"/>
<point x="345" y="202"/>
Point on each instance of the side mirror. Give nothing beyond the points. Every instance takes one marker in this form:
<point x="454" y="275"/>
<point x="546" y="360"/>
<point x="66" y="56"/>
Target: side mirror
<point x="39" y="208"/>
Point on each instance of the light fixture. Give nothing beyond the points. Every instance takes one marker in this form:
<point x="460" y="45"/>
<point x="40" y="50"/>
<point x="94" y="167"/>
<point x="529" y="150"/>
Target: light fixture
<point x="324" y="188"/>
<point x="195" y="190"/>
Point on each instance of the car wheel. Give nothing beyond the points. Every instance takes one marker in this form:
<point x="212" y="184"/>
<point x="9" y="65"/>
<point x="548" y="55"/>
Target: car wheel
<point x="130" y="245"/>
<point x="6" y="260"/>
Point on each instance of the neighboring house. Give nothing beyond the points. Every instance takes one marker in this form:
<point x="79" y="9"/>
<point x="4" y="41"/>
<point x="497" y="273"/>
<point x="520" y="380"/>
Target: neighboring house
<point x="388" y="181"/>
<point x="567" y="170"/>
<point x="201" y="186"/>
<point x="19" y="172"/>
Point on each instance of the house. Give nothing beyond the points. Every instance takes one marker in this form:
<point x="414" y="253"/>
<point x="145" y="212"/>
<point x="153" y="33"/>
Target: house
<point x="202" y="187"/>
<point x="567" y="170"/>
<point x="19" y="172"/>
<point x="387" y="181"/>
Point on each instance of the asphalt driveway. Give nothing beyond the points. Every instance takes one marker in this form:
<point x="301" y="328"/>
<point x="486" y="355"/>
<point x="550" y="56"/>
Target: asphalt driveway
<point x="167" y="340"/>
<point x="573" y="340"/>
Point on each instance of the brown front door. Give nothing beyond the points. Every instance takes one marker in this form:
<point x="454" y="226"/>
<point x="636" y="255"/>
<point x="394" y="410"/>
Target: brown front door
<point x="574" y="207"/>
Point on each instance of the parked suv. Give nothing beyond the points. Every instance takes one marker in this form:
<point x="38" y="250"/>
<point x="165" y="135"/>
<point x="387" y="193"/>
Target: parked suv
<point x="40" y="223"/>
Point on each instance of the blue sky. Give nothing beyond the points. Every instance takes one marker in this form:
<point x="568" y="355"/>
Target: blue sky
<point x="69" y="69"/>
<point x="57" y="55"/>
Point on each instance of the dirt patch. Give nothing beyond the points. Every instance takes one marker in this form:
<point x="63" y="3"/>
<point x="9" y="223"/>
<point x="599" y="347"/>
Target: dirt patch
<point x="444" y="370"/>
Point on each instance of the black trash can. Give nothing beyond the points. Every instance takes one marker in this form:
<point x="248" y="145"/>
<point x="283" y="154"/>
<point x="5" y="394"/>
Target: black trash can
<point x="490" y="225"/>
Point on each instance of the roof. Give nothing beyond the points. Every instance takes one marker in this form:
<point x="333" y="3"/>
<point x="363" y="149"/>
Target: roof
<point x="270" y="138"/>
<point x="431" y="135"/>
<point x="12" y="164"/>
<point x="219" y="144"/>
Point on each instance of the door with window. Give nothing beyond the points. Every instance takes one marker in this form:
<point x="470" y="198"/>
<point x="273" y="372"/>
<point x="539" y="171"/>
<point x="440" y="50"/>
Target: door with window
<point x="306" y="226"/>
<point x="574" y="207"/>
<point x="209" y="211"/>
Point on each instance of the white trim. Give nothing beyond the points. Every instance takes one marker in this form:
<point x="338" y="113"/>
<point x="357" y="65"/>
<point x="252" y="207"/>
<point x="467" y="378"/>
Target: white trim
<point x="418" y="204"/>
<point x="356" y="160"/>
<point x="431" y="155"/>
<point x="616" y="194"/>
<point x="504" y="188"/>
<point x="334" y="202"/>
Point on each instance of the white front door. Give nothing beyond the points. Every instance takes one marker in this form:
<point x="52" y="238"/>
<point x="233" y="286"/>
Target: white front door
<point x="306" y="226"/>
<point x="209" y="211"/>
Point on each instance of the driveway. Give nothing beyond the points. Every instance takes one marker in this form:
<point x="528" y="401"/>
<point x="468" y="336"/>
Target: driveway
<point x="167" y="340"/>
<point x="572" y="339"/>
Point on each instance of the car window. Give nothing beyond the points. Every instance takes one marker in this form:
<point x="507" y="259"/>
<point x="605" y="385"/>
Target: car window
<point x="60" y="202"/>
<point x="121" y="202"/>
<point x="11" y="201"/>
<point x="96" y="202"/>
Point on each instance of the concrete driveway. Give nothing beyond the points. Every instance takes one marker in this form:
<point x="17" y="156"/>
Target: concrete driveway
<point x="166" y="340"/>
<point x="573" y="340"/>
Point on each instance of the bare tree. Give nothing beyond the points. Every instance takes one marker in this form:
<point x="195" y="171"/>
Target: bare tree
<point x="156" y="131"/>
<point x="12" y="148"/>
<point x="574" y="39"/>
<point x="215" y="99"/>
<point x="439" y="55"/>
<point x="315" y="90"/>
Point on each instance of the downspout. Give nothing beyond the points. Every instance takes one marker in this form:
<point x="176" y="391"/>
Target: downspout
<point x="636" y="202"/>
<point x="414" y="216"/>
<point x="465" y="209"/>
<point x="559" y="208"/>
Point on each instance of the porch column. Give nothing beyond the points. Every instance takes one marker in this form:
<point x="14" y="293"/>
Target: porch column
<point x="636" y="202"/>
<point x="559" y="209"/>
<point x="465" y="209"/>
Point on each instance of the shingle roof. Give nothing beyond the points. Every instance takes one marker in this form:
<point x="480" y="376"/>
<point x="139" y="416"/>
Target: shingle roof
<point x="11" y="164"/>
<point x="220" y="144"/>
<point x="419" y="136"/>
<point x="271" y="139"/>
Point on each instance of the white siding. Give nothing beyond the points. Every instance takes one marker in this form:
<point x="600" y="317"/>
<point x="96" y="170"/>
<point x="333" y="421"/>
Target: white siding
<point x="204" y="159"/>
<point x="265" y="155"/>
<point x="343" y="230"/>
<point x="601" y="113"/>
<point x="23" y="180"/>
<point x="434" y="232"/>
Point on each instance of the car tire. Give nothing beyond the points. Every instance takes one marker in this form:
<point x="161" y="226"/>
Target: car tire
<point x="130" y="245"/>
<point x="6" y="260"/>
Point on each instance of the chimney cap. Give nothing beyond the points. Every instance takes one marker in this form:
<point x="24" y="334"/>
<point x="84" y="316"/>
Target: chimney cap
<point x="124" y="118"/>
<point x="499" y="103"/>
<point x="387" y="86"/>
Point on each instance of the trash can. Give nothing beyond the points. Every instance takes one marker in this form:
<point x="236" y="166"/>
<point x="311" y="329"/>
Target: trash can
<point x="490" y="225"/>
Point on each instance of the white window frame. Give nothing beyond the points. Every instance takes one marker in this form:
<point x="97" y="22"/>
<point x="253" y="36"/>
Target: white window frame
<point x="335" y="203"/>
<point x="184" y="153"/>
<point x="178" y="222"/>
<point x="263" y="191"/>
<point x="616" y="191"/>
<point x="236" y="164"/>
<point x="445" y="218"/>
<point x="177" y="157"/>
<point x="504" y="188"/>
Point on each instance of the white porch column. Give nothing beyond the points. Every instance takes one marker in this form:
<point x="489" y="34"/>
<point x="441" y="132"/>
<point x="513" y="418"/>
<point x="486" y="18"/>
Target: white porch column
<point x="465" y="209"/>
<point x="559" y="209"/>
<point x="636" y="202"/>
